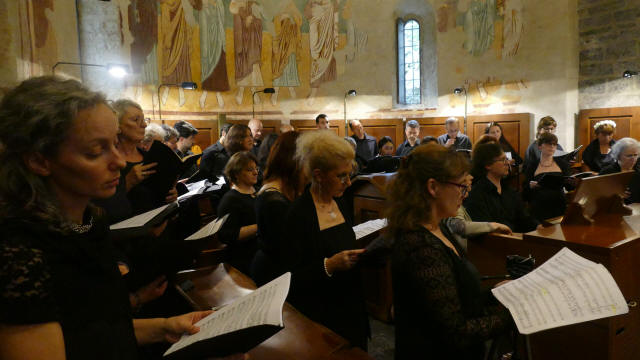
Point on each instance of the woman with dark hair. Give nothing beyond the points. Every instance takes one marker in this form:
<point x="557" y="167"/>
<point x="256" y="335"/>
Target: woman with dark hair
<point x="385" y="146"/>
<point x="495" y="129"/>
<point x="239" y="231"/>
<point x="214" y="160"/>
<point x="491" y="199"/>
<point x="439" y="303"/>
<point x="429" y="139"/>
<point x="544" y="181"/>
<point x="319" y="247"/>
<point x="62" y="296"/>
<point x="597" y="155"/>
<point x="265" y="149"/>
<point x="548" y="125"/>
<point x="283" y="183"/>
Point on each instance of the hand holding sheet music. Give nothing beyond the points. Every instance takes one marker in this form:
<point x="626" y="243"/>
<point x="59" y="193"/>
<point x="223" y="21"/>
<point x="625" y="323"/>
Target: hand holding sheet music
<point x="239" y="326"/>
<point x="567" y="289"/>
<point x="369" y="227"/>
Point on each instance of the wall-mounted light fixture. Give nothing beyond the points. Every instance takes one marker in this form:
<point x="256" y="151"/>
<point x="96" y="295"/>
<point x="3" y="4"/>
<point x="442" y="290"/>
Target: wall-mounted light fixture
<point x="629" y="74"/>
<point x="346" y="124"/>
<point x="184" y="85"/>
<point x="459" y="91"/>
<point x="115" y="70"/>
<point x="253" y="99"/>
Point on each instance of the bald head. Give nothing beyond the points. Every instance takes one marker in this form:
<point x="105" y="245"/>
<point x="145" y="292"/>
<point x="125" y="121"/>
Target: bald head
<point x="256" y="129"/>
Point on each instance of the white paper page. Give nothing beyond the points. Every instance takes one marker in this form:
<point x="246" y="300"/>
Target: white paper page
<point x="634" y="222"/>
<point x="262" y="306"/>
<point x="209" y="229"/>
<point x="221" y="181"/>
<point x="139" y="220"/>
<point x="369" y="227"/>
<point x="196" y="185"/>
<point x="567" y="289"/>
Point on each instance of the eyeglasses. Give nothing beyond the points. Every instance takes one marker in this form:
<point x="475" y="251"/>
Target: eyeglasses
<point x="253" y="169"/>
<point x="549" y="129"/>
<point x="463" y="188"/>
<point x="345" y="178"/>
<point x="502" y="160"/>
<point x="140" y="121"/>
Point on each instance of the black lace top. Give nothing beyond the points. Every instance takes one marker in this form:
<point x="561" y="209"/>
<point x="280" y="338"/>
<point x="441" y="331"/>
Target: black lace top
<point x="440" y="307"/>
<point x="70" y="279"/>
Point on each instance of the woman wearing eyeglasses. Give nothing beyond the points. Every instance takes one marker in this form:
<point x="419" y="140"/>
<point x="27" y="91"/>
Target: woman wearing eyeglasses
<point x="239" y="230"/>
<point x="319" y="247"/>
<point x="548" y="125"/>
<point x="625" y="152"/>
<point x="544" y="181"/>
<point x="441" y="309"/>
<point x="491" y="199"/>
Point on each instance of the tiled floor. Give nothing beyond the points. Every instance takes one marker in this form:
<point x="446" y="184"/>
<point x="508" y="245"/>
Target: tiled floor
<point x="382" y="342"/>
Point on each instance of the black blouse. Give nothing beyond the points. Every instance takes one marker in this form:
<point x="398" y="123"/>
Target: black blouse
<point x="634" y="185"/>
<point x="486" y="204"/>
<point x="71" y="279"/>
<point x="241" y="210"/>
<point x="546" y="202"/>
<point x="440" y="307"/>
<point x="594" y="159"/>
<point x="337" y="301"/>
<point x="271" y="206"/>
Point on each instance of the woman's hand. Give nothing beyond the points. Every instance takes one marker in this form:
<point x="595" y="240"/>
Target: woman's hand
<point x="153" y="290"/>
<point x="533" y="184"/>
<point x="343" y="260"/>
<point x="500" y="228"/>
<point x="175" y="327"/>
<point x="172" y="196"/>
<point x="138" y="173"/>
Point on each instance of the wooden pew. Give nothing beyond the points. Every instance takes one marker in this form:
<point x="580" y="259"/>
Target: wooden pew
<point x="609" y="241"/>
<point x="300" y="339"/>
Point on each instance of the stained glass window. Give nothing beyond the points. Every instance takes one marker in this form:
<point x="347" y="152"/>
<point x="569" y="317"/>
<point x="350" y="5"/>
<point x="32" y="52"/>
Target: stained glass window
<point x="409" y="62"/>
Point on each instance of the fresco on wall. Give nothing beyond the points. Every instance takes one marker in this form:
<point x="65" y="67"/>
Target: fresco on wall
<point x="235" y="47"/>
<point x="485" y="93"/>
<point x="487" y="24"/>
<point x="39" y="44"/>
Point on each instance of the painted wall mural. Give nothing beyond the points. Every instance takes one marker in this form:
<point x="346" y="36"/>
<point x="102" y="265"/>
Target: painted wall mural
<point x="240" y="46"/>
<point x="487" y="24"/>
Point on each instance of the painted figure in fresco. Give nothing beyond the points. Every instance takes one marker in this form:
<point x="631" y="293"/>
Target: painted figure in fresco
<point x="174" y="37"/>
<point x="247" y="39"/>
<point x="45" y="52"/>
<point x="479" y="26"/>
<point x="143" y="25"/>
<point x="213" y="58"/>
<point x="323" y="41"/>
<point x="286" y="49"/>
<point x="513" y="26"/>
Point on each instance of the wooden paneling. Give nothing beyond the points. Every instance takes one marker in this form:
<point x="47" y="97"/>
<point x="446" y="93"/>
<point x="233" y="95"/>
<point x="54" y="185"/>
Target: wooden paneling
<point x="433" y="126"/>
<point x="627" y="121"/>
<point x="308" y="125"/>
<point x="269" y="126"/>
<point x="384" y="127"/>
<point x="207" y="131"/>
<point x="516" y="128"/>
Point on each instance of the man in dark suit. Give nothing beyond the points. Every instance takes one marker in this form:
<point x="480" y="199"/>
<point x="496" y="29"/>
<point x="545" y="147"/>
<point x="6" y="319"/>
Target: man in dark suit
<point x="454" y="139"/>
<point x="256" y="133"/>
<point x="366" y="145"/>
<point x="412" y="133"/>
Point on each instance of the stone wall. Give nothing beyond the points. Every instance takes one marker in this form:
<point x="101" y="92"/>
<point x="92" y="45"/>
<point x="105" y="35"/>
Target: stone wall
<point x="609" y="45"/>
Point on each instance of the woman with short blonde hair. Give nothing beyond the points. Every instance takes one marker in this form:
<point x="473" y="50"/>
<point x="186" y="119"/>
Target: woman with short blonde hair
<point x="319" y="247"/>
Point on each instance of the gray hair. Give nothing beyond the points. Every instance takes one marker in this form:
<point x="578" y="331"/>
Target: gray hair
<point x="451" y="120"/>
<point x="121" y="106"/>
<point x="622" y="145"/>
<point x="169" y="132"/>
<point x="154" y="132"/>
<point x="36" y="117"/>
<point x="412" y="124"/>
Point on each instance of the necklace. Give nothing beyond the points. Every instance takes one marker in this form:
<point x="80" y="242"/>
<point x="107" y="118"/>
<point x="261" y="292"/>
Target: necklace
<point x="81" y="229"/>
<point x="329" y="209"/>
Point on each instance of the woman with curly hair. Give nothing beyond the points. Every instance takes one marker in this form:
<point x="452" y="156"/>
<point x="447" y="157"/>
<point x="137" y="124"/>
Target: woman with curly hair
<point x="597" y="154"/>
<point x="440" y="305"/>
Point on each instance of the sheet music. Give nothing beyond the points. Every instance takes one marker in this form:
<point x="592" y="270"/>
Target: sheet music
<point x="369" y="227"/>
<point x="209" y="229"/>
<point x="221" y="181"/>
<point x="567" y="289"/>
<point x="196" y="185"/>
<point x="634" y="222"/>
<point x="262" y="306"/>
<point x="139" y="220"/>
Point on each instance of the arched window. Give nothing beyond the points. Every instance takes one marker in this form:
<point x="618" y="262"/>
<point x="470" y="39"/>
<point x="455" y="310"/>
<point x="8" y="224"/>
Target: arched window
<point x="409" y="69"/>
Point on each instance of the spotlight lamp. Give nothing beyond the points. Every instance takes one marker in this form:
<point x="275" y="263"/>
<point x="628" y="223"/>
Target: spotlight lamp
<point x="188" y="85"/>
<point x="346" y="124"/>
<point x="458" y="91"/>
<point x="253" y="99"/>
<point x="629" y="74"/>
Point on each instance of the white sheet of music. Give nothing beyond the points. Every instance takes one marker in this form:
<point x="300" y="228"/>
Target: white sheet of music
<point x="633" y="221"/>
<point x="262" y="306"/>
<point x="138" y="220"/>
<point x="369" y="227"/>
<point x="196" y="185"/>
<point x="209" y="229"/>
<point x="567" y="289"/>
<point x="221" y="181"/>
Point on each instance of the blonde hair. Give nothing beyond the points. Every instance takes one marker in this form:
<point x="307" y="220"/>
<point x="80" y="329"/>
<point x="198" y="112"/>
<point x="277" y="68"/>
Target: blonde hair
<point x="605" y="126"/>
<point x="323" y="150"/>
<point x="121" y="106"/>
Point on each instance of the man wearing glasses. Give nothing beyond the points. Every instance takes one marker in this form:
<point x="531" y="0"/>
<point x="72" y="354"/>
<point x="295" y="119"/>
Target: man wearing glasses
<point x="454" y="139"/>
